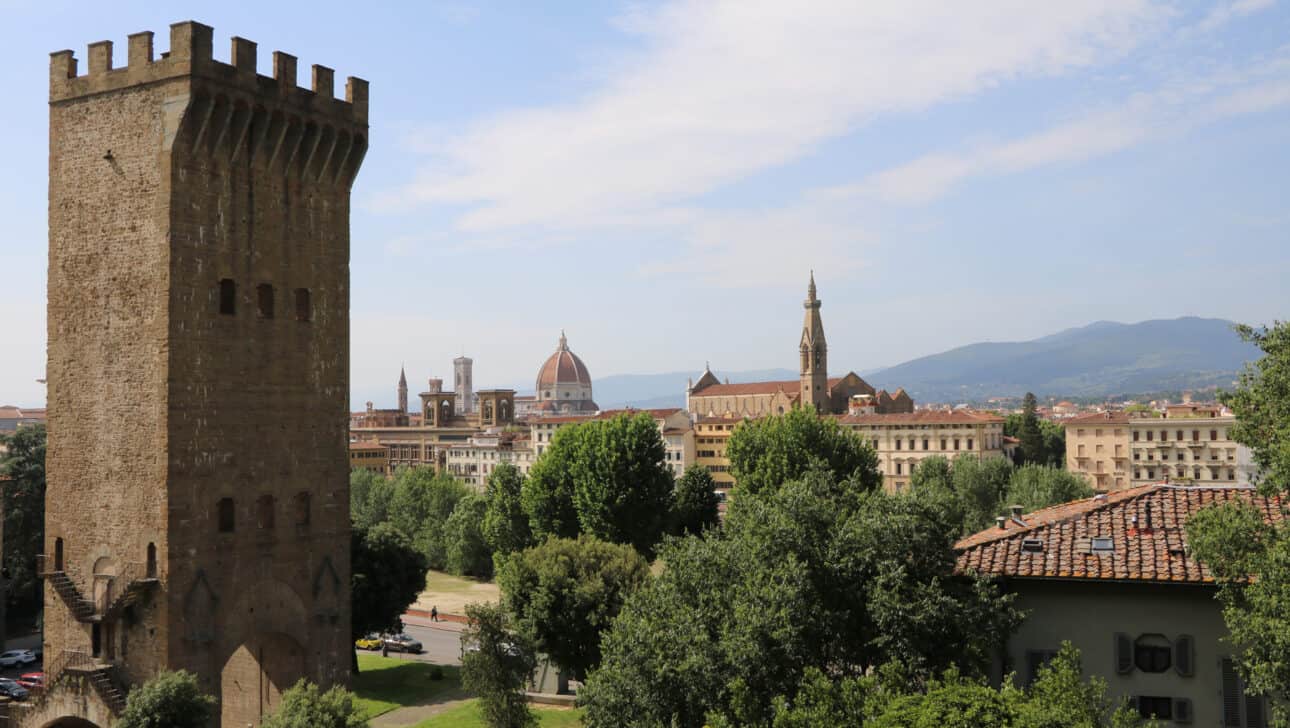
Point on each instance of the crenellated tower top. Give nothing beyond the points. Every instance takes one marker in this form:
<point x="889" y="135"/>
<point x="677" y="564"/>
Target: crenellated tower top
<point x="191" y="54"/>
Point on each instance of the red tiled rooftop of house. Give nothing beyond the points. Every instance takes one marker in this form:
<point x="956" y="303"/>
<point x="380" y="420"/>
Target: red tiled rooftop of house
<point x="1113" y="418"/>
<point x="789" y="386"/>
<point x="366" y="446"/>
<point x="1144" y="525"/>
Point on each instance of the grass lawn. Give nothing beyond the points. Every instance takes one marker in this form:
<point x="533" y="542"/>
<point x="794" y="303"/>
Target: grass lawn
<point x="451" y="593"/>
<point x="384" y="683"/>
<point x="467" y="716"/>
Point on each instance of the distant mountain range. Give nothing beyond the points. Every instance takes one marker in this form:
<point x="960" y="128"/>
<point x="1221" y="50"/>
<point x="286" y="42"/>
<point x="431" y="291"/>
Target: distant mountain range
<point x="1101" y="359"/>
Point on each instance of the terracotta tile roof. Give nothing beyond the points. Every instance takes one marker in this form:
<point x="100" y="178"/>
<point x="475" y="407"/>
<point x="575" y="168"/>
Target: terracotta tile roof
<point x="560" y="420"/>
<point x="790" y="387"/>
<point x="1114" y="418"/>
<point x="922" y="417"/>
<point x="1056" y="542"/>
<point x="366" y="446"/>
<point x="656" y="413"/>
<point x="718" y="420"/>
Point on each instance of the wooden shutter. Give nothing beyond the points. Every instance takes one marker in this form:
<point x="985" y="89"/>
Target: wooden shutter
<point x="1254" y="717"/>
<point x="1182" y="710"/>
<point x="1231" y="693"/>
<point x="1184" y="655"/>
<point x="1123" y="653"/>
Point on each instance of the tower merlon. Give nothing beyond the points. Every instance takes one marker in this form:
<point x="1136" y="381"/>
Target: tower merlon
<point x="191" y="55"/>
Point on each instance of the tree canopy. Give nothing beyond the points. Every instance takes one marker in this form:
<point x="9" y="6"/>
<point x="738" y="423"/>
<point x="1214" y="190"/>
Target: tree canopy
<point x="24" y="516"/>
<point x="815" y="573"/>
<point x="468" y="551"/>
<point x="387" y="573"/>
<point x="604" y="478"/>
<point x="564" y="593"/>
<point x="1250" y="557"/>
<point x="506" y="525"/>
<point x="695" y="505"/>
<point x="767" y="452"/>
<point x="304" y="705"/>
<point x="973" y="491"/>
<point x="496" y="665"/>
<point x="168" y="700"/>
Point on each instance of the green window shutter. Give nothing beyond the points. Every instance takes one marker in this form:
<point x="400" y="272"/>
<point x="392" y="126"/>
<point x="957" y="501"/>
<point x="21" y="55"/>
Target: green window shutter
<point x="1254" y="713"/>
<point x="1123" y="653"/>
<point x="1185" y="655"/>
<point x="1182" y="710"/>
<point x="1232" y="694"/>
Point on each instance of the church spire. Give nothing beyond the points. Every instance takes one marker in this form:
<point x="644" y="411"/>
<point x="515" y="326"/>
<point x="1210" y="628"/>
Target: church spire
<point x="814" y="351"/>
<point x="403" y="389"/>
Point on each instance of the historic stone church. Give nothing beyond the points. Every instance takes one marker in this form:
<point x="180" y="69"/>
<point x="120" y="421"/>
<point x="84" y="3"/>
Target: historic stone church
<point x="710" y="397"/>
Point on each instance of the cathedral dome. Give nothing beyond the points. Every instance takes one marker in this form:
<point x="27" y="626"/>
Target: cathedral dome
<point x="563" y="367"/>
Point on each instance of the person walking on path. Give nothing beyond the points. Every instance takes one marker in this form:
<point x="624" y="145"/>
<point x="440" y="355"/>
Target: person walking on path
<point x="385" y="648"/>
<point x="434" y="613"/>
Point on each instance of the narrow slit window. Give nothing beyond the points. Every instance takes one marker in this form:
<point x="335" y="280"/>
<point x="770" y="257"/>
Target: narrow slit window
<point x="304" y="308"/>
<point x="264" y="296"/>
<point x="225" y="515"/>
<point x="302" y="509"/>
<point x="265" y="511"/>
<point x="227" y="297"/>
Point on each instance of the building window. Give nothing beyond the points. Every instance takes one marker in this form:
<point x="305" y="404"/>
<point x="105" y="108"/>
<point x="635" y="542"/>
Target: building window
<point x="1151" y="435"/>
<point x="956" y="443"/>
<point x="227" y="297"/>
<point x="304" y="309"/>
<point x="943" y="441"/>
<point x="302" y="509"/>
<point x="1213" y="435"/>
<point x="264" y="511"/>
<point x="264" y="300"/>
<point x="911" y="443"/>
<point x="898" y="469"/>
<point x="899" y="443"/>
<point x="1150" y="706"/>
<point x="1135" y="435"/>
<point x="970" y="443"/>
<point x="1181" y="436"/>
<point x="225" y="515"/>
<point x="1152" y="653"/>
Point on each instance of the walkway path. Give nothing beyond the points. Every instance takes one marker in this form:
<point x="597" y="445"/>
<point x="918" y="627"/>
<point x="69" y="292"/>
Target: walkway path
<point x="413" y="714"/>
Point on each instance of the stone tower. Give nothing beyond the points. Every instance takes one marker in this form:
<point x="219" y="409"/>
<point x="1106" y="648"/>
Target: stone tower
<point x="463" y="384"/>
<point x="403" y="391"/>
<point x="814" y="368"/>
<point x="197" y="514"/>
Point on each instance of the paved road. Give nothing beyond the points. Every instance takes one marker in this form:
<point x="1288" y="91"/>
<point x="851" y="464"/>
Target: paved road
<point x="442" y="641"/>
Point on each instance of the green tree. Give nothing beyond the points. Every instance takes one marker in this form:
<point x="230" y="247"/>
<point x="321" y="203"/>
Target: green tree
<point x="604" y="478"/>
<point x="305" y="706"/>
<point x="1054" y="436"/>
<point x="1038" y="486"/>
<point x="767" y="452"/>
<point x="369" y="497"/>
<point x="695" y="506"/>
<point x="980" y="486"/>
<point x="1061" y="697"/>
<point x="1250" y="557"/>
<point x="816" y="573"/>
<point x="506" y="525"/>
<point x="496" y="666"/>
<point x="386" y="575"/>
<point x="468" y="551"/>
<point x="420" y="506"/>
<point x="1261" y="403"/>
<point x="24" y="516"/>
<point x="1031" y="449"/>
<point x="168" y="700"/>
<point x="564" y="593"/>
<point x="547" y="493"/>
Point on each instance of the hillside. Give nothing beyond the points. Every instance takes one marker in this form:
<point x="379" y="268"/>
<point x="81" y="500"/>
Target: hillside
<point x="1100" y="359"/>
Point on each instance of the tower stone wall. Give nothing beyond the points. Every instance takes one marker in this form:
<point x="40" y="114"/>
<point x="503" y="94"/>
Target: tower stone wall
<point x="198" y="367"/>
<point x="464" y="384"/>
<point x="814" y="352"/>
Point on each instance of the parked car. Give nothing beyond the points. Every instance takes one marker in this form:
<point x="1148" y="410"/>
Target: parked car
<point x="403" y="643"/>
<point x="370" y="642"/>
<point x="32" y="680"/>
<point x="14" y="658"/>
<point x="12" y="689"/>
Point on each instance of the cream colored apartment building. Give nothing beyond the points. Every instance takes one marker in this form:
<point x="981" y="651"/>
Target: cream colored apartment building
<point x="902" y="440"/>
<point x="1190" y="444"/>
<point x="711" y="437"/>
<point x="473" y="461"/>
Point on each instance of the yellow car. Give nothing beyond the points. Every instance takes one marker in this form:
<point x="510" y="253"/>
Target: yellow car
<point x="370" y="642"/>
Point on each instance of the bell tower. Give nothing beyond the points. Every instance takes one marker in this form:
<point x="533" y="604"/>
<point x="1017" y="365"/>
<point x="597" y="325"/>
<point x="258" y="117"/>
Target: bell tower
<point x="403" y="392"/>
<point x="814" y="369"/>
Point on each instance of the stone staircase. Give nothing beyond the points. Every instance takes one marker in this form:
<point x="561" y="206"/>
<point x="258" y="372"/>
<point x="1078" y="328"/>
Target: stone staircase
<point x="111" y="602"/>
<point x="105" y="682"/>
<point x="81" y="608"/>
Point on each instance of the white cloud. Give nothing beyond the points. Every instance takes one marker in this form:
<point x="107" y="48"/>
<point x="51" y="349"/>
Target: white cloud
<point x="730" y="88"/>
<point x="1226" y="12"/>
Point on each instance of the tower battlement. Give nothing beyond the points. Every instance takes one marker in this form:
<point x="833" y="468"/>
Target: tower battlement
<point x="191" y="54"/>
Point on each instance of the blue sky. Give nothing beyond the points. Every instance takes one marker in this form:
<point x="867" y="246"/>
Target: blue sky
<point x="658" y="178"/>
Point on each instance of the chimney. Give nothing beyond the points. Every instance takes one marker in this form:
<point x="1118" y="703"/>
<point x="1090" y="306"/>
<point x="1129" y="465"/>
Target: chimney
<point x="1001" y="522"/>
<point x="1016" y="511"/>
<point x="1147" y="506"/>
